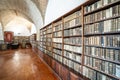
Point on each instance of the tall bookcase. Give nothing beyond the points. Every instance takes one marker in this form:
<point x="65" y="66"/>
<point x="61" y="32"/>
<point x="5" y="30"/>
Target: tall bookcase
<point x="84" y="43"/>
<point x="57" y="40"/>
<point x="101" y="39"/>
<point x="72" y="39"/>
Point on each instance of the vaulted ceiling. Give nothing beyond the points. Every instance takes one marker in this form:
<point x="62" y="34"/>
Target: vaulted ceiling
<point x="32" y="10"/>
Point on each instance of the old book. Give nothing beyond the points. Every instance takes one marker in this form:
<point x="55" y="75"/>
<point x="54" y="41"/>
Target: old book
<point x="91" y="61"/>
<point x="112" y="55"/>
<point x="102" y="66"/>
<point x="78" y="58"/>
<point x="115" y="10"/>
<point x="73" y="56"/>
<point x="70" y="63"/>
<point x="102" y="41"/>
<point x="96" y="4"/>
<point x="118" y="24"/>
<point x="99" y="4"/>
<point x="118" y="71"/>
<point x="107" y="12"/>
<point x="99" y="76"/>
<point x="117" y="55"/>
<point x="72" y="32"/>
<point x="110" y="68"/>
<point x="91" y="74"/>
<point x="106" y="67"/>
<point x="118" y="9"/>
<point x="77" y="67"/>
<point x="102" y="53"/>
<point x="107" y="54"/>
<point x="104" y="14"/>
<point x="93" y="51"/>
<point x="85" y="71"/>
<point x="78" y="21"/>
<point x="105" y="2"/>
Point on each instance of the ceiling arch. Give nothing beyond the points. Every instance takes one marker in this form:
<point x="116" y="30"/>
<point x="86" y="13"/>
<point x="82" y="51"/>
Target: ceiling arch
<point x="32" y="10"/>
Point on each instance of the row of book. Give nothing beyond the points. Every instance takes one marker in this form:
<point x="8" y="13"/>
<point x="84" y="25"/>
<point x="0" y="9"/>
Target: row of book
<point x="106" y="41"/>
<point x="72" y="32"/>
<point x="57" y="57"/>
<point x="73" y="65"/>
<point x="57" y="40"/>
<point x="49" y="53"/>
<point x="57" y="34"/>
<point x="57" y="51"/>
<point x="48" y="44"/>
<point x="98" y="4"/>
<point x="49" y="48"/>
<point x="44" y="46"/>
<point x="73" y="48"/>
<point x="40" y="48"/>
<point x="104" y="14"/>
<point x="107" y="67"/>
<point x="49" y="30"/>
<point x="95" y="75"/>
<point x="44" y="43"/>
<point x="72" y="16"/>
<point x="44" y="32"/>
<point x="112" y="25"/>
<point x="43" y="39"/>
<point x="72" y="23"/>
<point x="49" y="39"/>
<point x="103" y="53"/>
<point x="73" y="40"/>
<point x="58" y="27"/>
<point x="57" y="45"/>
<point x="49" y="27"/>
<point x="43" y="36"/>
<point x="44" y="51"/>
<point x="72" y="56"/>
<point x="49" y="35"/>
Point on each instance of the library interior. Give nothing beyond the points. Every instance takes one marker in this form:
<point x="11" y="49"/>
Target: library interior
<point x="59" y="39"/>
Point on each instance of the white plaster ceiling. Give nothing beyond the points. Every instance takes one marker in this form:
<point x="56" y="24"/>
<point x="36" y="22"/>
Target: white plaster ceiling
<point x="32" y="10"/>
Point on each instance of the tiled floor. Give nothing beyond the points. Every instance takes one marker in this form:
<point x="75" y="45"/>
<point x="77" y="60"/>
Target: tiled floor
<point x="23" y="64"/>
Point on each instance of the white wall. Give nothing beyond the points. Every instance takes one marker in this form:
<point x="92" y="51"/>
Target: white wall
<point x="1" y="32"/>
<point x="57" y="8"/>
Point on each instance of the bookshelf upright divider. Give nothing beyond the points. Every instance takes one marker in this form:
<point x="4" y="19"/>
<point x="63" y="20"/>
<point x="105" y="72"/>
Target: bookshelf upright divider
<point x="52" y="39"/>
<point x="82" y="39"/>
<point x="62" y="39"/>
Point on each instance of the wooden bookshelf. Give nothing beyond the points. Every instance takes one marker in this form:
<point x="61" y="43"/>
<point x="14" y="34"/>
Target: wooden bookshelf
<point x="101" y="32"/>
<point x="85" y="42"/>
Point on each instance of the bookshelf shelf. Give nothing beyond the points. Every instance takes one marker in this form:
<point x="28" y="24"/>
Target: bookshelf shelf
<point x="105" y="33"/>
<point x="73" y="52"/>
<point x="72" y="60"/>
<point x="103" y="7"/>
<point x="73" y="36"/>
<point x="106" y="47"/>
<point x="72" y="27"/>
<point x="57" y="31"/>
<point x="73" y="44"/>
<point x="96" y="57"/>
<point x="114" y="17"/>
<point x="57" y="48"/>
